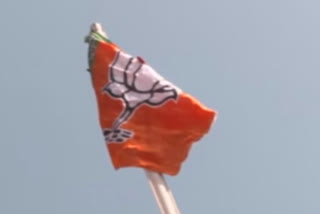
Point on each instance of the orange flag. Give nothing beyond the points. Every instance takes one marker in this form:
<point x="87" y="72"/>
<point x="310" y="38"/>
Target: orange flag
<point x="146" y="121"/>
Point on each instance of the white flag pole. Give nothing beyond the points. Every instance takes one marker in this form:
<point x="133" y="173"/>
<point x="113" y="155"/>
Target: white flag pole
<point x="162" y="193"/>
<point x="160" y="189"/>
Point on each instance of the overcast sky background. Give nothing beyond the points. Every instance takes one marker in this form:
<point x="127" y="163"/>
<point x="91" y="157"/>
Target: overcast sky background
<point x="255" y="62"/>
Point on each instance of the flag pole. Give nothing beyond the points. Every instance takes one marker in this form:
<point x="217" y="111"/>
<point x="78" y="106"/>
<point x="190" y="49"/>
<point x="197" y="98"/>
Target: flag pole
<point x="162" y="193"/>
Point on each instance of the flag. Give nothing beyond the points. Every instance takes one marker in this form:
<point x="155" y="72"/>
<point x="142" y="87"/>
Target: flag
<point x="146" y="120"/>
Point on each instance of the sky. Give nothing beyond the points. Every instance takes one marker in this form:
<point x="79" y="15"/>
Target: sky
<point x="255" y="62"/>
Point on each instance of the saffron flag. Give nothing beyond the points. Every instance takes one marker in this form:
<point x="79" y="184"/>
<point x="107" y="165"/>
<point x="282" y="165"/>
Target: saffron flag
<point x="146" y="121"/>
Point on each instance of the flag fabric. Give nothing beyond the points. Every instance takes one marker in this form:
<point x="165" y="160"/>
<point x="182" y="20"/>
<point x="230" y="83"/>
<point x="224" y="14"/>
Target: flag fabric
<point x="146" y="121"/>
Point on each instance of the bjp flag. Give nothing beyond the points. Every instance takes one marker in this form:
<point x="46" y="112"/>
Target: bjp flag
<point x="146" y="121"/>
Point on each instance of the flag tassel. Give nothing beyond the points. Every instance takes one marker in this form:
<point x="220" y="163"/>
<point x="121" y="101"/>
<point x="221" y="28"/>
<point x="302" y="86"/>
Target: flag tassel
<point x="162" y="193"/>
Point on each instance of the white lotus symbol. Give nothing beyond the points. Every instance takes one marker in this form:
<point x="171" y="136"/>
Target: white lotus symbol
<point x="135" y="83"/>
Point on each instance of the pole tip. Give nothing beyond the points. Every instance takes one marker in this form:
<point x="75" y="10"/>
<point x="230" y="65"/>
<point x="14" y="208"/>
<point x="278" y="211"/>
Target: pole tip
<point x="97" y="28"/>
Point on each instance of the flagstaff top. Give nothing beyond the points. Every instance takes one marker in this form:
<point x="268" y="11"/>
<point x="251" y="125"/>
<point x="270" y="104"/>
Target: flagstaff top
<point x="97" y="32"/>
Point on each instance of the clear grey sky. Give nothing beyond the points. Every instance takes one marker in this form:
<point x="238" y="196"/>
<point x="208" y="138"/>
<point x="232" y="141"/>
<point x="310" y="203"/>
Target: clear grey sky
<point x="256" y="62"/>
